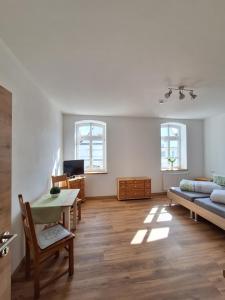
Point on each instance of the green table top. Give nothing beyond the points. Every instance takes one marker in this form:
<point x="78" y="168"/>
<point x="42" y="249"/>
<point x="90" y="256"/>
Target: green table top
<point x="64" y="199"/>
<point x="48" y="210"/>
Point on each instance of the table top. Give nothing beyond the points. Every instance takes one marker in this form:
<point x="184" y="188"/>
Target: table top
<point x="64" y="199"/>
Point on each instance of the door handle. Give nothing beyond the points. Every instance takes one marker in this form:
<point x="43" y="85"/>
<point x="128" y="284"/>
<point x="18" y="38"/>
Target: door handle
<point x="5" y="239"/>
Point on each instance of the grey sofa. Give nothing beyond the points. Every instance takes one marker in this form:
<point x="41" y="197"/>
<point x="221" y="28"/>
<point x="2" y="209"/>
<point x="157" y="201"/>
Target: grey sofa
<point x="199" y="204"/>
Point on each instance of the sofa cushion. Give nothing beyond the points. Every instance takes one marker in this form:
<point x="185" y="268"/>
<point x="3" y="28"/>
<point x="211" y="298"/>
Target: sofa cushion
<point x="51" y="235"/>
<point x="205" y="187"/>
<point x="218" y="196"/>
<point x="190" y="196"/>
<point x="218" y="209"/>
<point x="219" y="179"/>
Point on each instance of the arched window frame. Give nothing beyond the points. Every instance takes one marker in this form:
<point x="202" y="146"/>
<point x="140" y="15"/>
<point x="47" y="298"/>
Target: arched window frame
<point x="180" y="149"/>
<point x="89" y="163"/>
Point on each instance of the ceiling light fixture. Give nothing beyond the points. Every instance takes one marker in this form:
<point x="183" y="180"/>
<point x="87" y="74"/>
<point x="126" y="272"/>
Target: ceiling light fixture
<point x="181" y="89"/>
<point x="181" y="95"/>
<point x="167" y="95"/>
<point x="193" y="96"/>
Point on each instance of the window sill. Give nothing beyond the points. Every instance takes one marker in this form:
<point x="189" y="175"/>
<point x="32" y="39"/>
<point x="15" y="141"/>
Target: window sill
<point x="174" y="170"/>
<point x="94" y="173"/>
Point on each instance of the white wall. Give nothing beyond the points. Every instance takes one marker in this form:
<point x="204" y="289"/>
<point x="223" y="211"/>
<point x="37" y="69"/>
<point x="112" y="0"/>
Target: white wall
<point x="36" y="140"/>
<point x="133" y="149"/>
<point x="214" y="129"/>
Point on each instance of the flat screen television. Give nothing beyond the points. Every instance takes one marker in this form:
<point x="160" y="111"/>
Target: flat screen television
<point x="73" y="167"/>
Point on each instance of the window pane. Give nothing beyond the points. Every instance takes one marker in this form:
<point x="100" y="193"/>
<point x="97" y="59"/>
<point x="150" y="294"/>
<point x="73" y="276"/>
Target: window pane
<point x="83" y="152"/>
<point x="97" y="130"/>
<point x="87" y="164"/>
<point x="164" y="143"/>
<point x="173" y="131"/>
<point x="174" y="144"/>
<point x="164" y="153"/>
<point x="97" y="154"/>
<point x="97" y="164"/>
<point x="90" y="145"/>
<point x="176" y="164"/>
<point x="84" y="130"/>
<point x="164" y="131"/>
<point x="174" y="152"/>
<point x="164" y="163"/>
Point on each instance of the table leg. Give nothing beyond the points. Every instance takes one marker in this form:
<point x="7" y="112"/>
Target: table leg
<point x="75" y="214"/>
<point x="67" y="217"/>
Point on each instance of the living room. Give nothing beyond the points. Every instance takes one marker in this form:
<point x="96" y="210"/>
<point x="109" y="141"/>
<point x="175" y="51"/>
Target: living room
<point x="133" y="66"/>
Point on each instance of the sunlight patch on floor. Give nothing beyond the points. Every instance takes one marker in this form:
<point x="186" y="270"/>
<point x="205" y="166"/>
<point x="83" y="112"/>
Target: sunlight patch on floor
<point x="149" y="219"/>
<point x="139" y="237"/>
<point x="162" y="215"/>
<point x="158" y="234"/>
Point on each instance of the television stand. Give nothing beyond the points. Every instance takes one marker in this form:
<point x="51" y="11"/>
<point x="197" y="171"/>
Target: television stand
<point x="78" y="182"/>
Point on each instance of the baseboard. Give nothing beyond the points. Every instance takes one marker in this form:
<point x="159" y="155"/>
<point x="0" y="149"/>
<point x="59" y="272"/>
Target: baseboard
<point x="159" y="194"/>
<point x="115" y="197"/>
<point x="101" y="197"/>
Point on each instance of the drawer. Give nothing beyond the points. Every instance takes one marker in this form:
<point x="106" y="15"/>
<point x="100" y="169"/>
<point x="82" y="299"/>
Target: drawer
<point x="122" y="192"/>
<point x="147" y="193"/>
<point x="136" y="192"/>
<point x="136" y="185"/>
<point x="122" y="182"/>
<point x="122" y="185"/>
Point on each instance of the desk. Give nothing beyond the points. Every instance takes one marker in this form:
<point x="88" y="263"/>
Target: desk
<point x="65" y="200"/>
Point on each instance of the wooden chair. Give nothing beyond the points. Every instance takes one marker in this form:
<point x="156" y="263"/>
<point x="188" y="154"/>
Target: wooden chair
<point x="43" y="245"/>
<point x="63" y="182"/>
<point x="60" y="181"/>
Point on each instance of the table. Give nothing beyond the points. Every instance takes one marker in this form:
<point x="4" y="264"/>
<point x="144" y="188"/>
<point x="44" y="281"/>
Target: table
<point x="63" y="201"/>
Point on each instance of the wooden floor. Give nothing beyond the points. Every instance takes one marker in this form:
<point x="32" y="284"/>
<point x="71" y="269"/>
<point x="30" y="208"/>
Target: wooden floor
<point x="137" y="250"/>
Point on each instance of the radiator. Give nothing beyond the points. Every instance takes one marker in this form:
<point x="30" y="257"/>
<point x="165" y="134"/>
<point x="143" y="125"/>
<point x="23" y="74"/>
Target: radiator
<point x="173" y="178"/>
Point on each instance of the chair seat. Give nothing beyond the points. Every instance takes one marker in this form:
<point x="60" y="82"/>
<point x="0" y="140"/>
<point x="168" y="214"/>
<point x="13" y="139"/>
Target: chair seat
<point x="51" y="235"/>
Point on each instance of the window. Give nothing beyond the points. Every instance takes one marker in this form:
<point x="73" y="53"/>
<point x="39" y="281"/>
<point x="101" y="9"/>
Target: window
<point x="173" y="146"/>
<point x="90" y="145"/>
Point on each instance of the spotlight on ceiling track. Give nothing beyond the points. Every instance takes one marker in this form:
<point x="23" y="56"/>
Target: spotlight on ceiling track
<point x="168" y="94"/>
<point x="181" y="95"/>
<point x="162" y="101"/>
<point x="193" y="96"/>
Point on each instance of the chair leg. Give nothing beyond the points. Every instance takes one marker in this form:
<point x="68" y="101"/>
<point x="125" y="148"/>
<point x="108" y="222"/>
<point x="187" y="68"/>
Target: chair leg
<point x="27" y="260"/>
<point x="64" y="219"/>
<point x="71" y="258"/>
<point x="79" y="211"/>
<point x="36" y="280"/>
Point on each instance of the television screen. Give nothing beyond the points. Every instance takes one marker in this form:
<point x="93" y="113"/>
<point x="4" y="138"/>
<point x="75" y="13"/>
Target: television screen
<point x="73" y="167"/>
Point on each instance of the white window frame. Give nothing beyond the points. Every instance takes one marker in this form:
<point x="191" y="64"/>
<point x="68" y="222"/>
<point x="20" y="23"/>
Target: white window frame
<point x="91" y="139"/>
<point x="181" y="138"/>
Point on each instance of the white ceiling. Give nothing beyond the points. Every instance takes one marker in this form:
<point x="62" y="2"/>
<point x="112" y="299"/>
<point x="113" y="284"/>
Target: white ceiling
<point x="117" y="57"/>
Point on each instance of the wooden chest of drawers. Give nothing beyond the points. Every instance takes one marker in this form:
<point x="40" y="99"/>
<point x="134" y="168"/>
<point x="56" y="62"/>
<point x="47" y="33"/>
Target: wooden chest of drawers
<point x="78" y="183"/>
<point x="133" y="188"/>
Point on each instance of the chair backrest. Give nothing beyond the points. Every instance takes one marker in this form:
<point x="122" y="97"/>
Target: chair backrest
<point x="60" y="181"/>
<point x="28" y="224"/>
